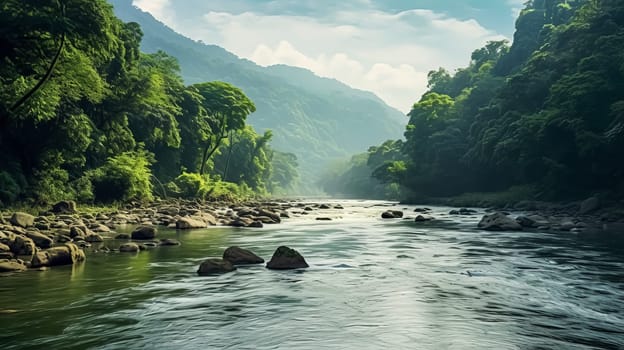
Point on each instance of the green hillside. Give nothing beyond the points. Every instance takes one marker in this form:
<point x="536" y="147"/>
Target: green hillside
<point x="316" y="118"/>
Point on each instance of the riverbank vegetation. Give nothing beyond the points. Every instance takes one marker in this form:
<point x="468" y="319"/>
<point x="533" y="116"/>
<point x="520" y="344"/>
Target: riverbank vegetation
<point x="544" y="115"/>
<point x="85" y="115"/>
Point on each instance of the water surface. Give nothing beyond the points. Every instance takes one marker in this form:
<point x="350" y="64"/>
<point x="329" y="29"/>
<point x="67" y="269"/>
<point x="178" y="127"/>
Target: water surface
<point x="372" y="284"/>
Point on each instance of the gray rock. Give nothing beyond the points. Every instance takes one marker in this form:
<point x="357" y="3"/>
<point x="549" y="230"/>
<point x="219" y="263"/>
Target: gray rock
<point x="286" y="258"/>
<point x="22" y="219"/>
<point x="11" y="266"/>
<point x="41" y="240"/>
<point x="215" y="266"/>
<point x="168" y="242"/>
<point x="144" y="233"/>
<point x="94" y="238"/>
<point x="129" y="248"/>
<point x="423" y="218"/>
<point x="392" y="214"/>
<point x="532" y="221"/>
<point x="187" y="223"/>
<point x="64" y="207"/>
<point x="567" y="224"/>
<point x="498" y="222"/>
<point x="67" y="254"/>
<point x="275" y="217"/>
<point x="589" y="205"/>
<point x="122" y="236"/>
<point x="240" y="256"/>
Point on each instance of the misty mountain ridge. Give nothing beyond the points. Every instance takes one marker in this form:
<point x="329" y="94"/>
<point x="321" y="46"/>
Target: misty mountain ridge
<point x="318" y="119"/>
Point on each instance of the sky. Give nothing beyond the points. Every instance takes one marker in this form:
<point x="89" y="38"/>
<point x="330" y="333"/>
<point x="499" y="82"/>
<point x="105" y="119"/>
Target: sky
<point x="383" y="46"/>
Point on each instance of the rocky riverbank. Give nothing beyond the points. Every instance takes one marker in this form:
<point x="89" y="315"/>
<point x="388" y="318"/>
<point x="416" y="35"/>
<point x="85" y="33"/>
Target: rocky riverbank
<point x="60" y="235"/>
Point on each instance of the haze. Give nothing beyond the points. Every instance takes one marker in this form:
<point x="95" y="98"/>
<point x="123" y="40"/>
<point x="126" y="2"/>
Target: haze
<point x="386" y="47"/>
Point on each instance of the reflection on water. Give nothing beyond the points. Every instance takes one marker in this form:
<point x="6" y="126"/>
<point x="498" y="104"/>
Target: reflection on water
<point x="372" y="284"/>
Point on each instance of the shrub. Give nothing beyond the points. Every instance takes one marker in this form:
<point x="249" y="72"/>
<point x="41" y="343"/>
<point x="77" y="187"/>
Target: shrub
<point x="124" y="177"/>
<point x="189" y="185"/>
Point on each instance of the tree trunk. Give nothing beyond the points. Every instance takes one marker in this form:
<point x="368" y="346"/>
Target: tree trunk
<point x="227" y="162"/>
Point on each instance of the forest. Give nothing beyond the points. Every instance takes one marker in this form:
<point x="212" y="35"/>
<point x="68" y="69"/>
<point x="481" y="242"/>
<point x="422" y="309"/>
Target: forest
<point x="85" y="115"/>
<point x="540" y="119"/>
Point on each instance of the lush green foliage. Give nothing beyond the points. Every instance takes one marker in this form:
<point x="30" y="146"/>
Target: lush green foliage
<point x="85" y="115"/>
<point x="545" y="114"/>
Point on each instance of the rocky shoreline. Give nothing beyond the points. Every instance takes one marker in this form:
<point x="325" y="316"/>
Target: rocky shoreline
<point x="60" y="235"/>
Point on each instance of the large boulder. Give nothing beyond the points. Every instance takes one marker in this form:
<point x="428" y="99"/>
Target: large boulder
<point x="215" y="266"/>
<point x="498" y="222"/>
<point x="67" y="254"/>
<point x="275" y="217"/>
<point x="11" y="266"/>
<point x="144" y="233"/>
<point x="41" y="240"/>
<point x="240" y="256"/>
<point x="20" y="245"/>
<point x="64" y="207"/>
<point x="22" y="219"/>
<point x="186" y="223"/>
<point x="286" y="258"/>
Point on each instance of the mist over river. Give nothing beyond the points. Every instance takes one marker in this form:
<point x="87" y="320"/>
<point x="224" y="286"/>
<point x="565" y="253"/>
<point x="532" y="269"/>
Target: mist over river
<point x="372" y="284"/>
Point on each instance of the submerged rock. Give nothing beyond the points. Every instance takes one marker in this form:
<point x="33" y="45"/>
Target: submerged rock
<point x="240" y="256"/>
<point x="423" y="218"/>
<point x="286" y="258"/>
<point x="215" y="266"/>
<point x="168" y="242"/>
<point x="498" y="222"/>
<point x="129" y="248"/>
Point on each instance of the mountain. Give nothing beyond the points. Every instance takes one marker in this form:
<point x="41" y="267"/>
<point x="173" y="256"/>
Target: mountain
<point x="316" y="118"/>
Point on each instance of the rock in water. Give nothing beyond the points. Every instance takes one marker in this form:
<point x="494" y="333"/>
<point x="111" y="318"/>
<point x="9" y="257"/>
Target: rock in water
<point x="67" y="254"/>
<point x="64" y="207"/>
<point x="215" y="266"/>
<point x="392" y="214"/>
<point x="240" y="256"/>
<point x="11" y="266"/>
<point x="129" y="248"/>
<point x="286" y="258"/>
<point x="498" y="222"/>
<point x="144" y="232"/>
<point x="22" y="219"/>
<point x="186" y="223"/>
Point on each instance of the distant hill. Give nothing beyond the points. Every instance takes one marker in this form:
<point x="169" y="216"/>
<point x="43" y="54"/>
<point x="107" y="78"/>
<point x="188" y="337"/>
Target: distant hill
<point x="316" y="118"/>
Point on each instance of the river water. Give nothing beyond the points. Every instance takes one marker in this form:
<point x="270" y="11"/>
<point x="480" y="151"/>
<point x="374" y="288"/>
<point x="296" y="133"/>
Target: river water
<point x="372" y="284"/>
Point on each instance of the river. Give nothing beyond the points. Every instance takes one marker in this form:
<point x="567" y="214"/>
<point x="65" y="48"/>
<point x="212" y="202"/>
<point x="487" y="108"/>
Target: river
<point x="372" y="284"/>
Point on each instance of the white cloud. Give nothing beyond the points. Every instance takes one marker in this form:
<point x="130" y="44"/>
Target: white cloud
<point x="516" y="7"/>
<point x="387" y="53"/>
<point x="158" y="8"/>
